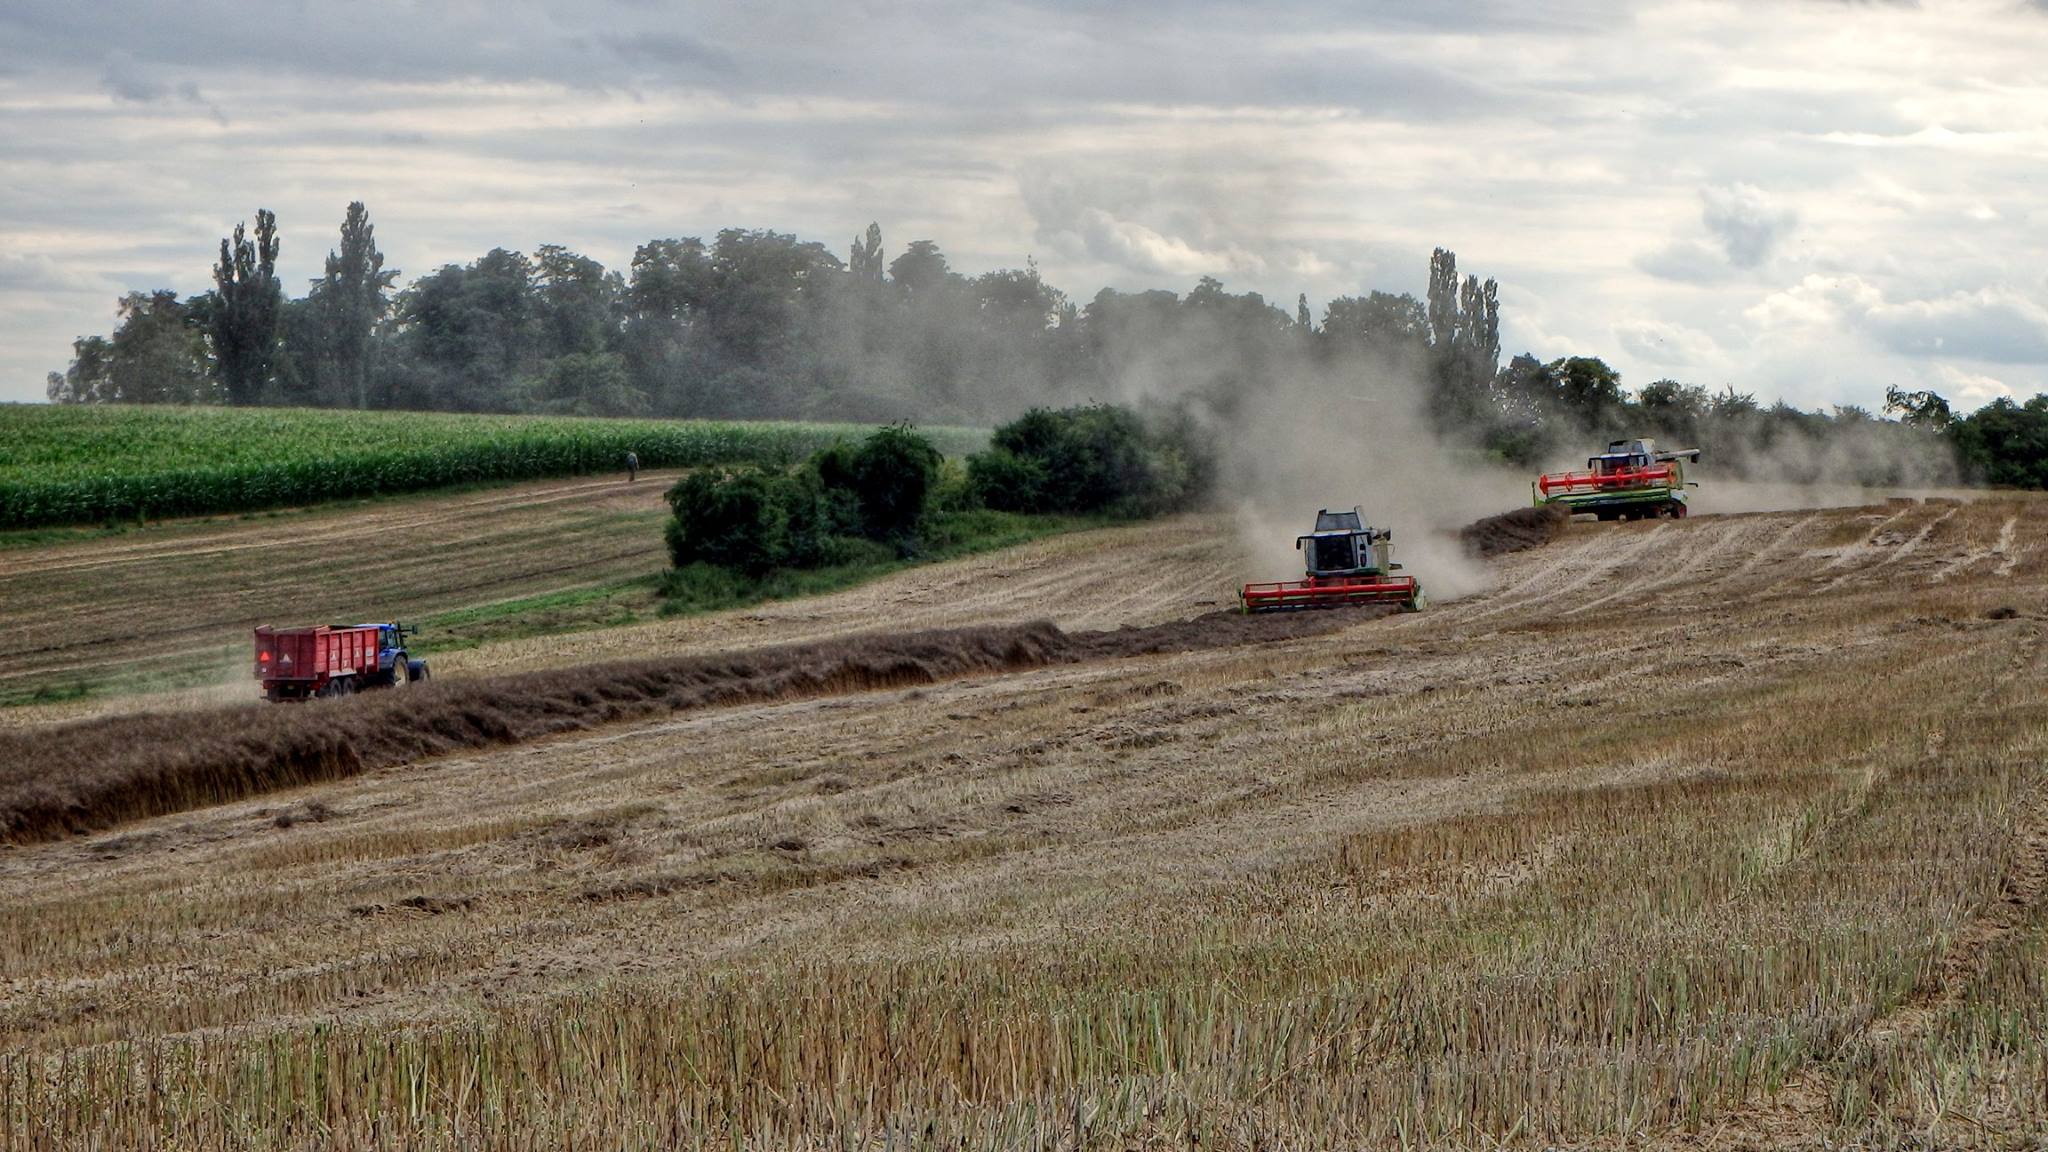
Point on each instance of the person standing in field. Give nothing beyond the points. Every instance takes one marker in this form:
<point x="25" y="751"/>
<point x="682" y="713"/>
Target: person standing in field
<point x="632" y="466"/>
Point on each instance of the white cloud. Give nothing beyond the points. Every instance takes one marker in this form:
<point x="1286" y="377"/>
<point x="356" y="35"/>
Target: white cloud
<point x="1967" y="390"/>
<point x="1668" y="345"/>
<point x="1817" y="301"/>
<point x="1990" y="325"/>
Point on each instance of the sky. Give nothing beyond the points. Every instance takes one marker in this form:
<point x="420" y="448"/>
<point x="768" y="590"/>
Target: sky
<point x="1805" y="199"/>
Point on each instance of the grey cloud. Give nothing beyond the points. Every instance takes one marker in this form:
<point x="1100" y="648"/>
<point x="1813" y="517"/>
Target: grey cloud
<point x="1685" y="261"/>
<point x="124" y="78"/>
<point x="1746" y="226"/>
<point x="43" y="274"/>
<point x="993" y="55"/>
<point x="1747" y="222"/>
<point x="1989" y="326"/>
<point x="670" y="50"/>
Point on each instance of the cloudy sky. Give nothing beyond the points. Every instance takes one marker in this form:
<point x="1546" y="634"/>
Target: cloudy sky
<point x="1805" y="198"/>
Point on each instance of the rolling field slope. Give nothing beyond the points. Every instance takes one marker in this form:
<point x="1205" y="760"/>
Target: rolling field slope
<point x="1727" y="832"/>
<point x="160" y="619"/>
<point x="171" y="607"/>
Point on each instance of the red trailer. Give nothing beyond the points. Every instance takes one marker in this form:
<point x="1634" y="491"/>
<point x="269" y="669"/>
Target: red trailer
<point x="333" y="660"/>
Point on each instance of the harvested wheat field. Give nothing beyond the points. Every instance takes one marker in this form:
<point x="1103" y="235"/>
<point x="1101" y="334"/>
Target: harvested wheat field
<point x="1724" y="832"/>
<point x="172" y="604"/>
<point x="100" y="626"/>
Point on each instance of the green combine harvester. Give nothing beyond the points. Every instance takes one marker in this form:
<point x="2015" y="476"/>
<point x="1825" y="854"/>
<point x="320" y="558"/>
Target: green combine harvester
<point x="1632" y="480"/>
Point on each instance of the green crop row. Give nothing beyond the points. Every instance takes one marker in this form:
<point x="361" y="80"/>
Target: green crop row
<point x="81" y="465"/>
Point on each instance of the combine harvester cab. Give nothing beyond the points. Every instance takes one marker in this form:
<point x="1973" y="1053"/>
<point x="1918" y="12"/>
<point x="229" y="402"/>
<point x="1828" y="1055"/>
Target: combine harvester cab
<point x="1348" y="562"/>
<point x="1632" y="480"/>
<point x="333" y="660"/>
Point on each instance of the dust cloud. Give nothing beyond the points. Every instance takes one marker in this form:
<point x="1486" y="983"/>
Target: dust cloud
<point x="1763" y="463"/>
<point x="1315" y="442"/>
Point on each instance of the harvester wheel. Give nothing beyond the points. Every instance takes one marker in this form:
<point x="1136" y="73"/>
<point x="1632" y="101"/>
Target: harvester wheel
<point x="1415" y="603"/>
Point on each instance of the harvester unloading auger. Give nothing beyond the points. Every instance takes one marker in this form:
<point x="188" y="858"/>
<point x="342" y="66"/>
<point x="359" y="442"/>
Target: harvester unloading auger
<point x="1632" y="480"/>
<point x="1348" y="562"/>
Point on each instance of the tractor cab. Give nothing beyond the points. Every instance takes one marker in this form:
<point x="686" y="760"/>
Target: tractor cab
<point x="393" y="662"/>
<point x="1343" y="544"/>
<point x="1623" y="456"/>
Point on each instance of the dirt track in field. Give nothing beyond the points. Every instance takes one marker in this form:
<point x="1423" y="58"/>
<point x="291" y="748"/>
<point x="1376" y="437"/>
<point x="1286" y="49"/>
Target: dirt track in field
<point x="1146" y="801"/>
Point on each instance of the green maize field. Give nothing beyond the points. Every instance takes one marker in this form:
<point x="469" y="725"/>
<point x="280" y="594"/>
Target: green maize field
<point x="88" y="464"/>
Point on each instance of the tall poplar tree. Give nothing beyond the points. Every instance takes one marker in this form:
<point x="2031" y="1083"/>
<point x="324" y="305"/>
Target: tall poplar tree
<point x="245" y="316"/>
<point x="353" y="298"/>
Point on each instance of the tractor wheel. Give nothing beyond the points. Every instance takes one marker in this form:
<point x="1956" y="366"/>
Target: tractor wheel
<point x="1677" y="510"/>
<point x="417" y="669"/>
<point x="1606" y="514"/>
<point x="400" y="675"/>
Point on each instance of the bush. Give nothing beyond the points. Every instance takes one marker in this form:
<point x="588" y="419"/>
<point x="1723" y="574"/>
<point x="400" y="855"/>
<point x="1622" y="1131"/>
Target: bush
<point x="952" y="490"/>
<point x="757" y="520"/>
<point x="890" y="475"/>
<point x="1002" y="480"/>
<point x="1096" y="458"/>
<point x="732" y="520"/>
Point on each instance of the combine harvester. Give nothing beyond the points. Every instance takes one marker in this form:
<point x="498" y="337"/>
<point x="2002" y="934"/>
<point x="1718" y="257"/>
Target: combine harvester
<point x="1348" y="563"/>
<point x="333" y="660"/>
<point x="1632" y="480"/>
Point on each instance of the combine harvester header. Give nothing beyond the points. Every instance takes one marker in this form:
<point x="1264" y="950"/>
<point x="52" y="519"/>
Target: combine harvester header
<point x="1348" y="562"/>
<point x="1631" y="480"/>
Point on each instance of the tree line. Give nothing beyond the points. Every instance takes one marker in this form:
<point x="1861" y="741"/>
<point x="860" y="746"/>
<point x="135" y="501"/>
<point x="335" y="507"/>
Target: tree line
<point x="756" y="324"/>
